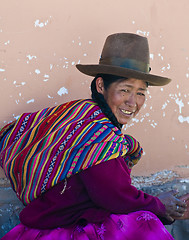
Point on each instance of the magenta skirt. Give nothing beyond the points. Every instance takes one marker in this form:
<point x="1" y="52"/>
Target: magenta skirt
<point x="141" y="225"/>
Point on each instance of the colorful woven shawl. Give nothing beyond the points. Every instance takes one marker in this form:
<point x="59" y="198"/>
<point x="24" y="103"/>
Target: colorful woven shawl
<point x="43" y="148"/>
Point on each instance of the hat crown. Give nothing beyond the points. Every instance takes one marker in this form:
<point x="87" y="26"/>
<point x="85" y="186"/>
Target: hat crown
<point x="125" y="55"/>
<point x="125" y="47"/>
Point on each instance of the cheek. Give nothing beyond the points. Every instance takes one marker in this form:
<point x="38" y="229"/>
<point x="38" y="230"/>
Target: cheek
<point x="140" y="103"/>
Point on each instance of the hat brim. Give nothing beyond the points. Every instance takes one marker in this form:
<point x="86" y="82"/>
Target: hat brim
<point x="93" y="70"/>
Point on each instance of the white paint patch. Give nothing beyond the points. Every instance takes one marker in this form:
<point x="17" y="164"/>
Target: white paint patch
<point x="41" y="24"/>
<point x="49" y="96"/>
<point x="2" y="70"/>
<point x="16" y="117"/>
<point x="37" y="71"/>
<point x="30" y="57"/>
<point x="6" y="43"/>
<point x="152" y="56"/>
<point x="30" y="101"/>
<point x="180" y="104"/>
<point x="163" y="69"/>
<point x="164" y="106"/>
<point x="142" y="32"/>
<point x="20" y="84"/>
<point x="183" y="119"/>
<point x="62" y="91"/>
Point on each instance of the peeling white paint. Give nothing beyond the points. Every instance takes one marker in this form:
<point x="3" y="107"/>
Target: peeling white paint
<point x="37" y="71"/>
<point x="62" y="91"/>
<point x="16" y="117"/>
<point x="41" y="24"/>
<point x="6" y="43"/>
<point x="180" y="104"/>
<point x="49" y="96"/>
<point x="164" y="106"/>
<point x="152" y="56"/>
<point x="142" y="32"/>
<point x="183" y="119"/>
<point x="30" y="57"/>
<point x="30" y="101"/>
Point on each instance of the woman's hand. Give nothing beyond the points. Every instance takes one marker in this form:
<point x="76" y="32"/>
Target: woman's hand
<point x="175" y="208"/>
<point x="185" y="198"/>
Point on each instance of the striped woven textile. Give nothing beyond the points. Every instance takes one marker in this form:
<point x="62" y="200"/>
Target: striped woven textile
<point x="47" y="146"/>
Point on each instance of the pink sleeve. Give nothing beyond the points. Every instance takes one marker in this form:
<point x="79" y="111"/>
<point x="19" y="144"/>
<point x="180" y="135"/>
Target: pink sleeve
<point x="109" y="186"/>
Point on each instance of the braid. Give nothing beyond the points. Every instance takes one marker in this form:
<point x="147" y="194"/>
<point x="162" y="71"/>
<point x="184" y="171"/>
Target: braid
<point x="100" y="100"/>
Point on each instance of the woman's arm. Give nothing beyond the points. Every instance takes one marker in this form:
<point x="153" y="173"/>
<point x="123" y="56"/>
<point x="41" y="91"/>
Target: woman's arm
<point x="109" y="186"/>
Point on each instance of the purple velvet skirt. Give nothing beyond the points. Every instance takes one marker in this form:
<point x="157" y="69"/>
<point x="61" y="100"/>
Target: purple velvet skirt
<point x="141" y="225"/>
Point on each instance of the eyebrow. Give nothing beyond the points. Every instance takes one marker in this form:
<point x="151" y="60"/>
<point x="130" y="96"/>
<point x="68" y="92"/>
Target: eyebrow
<point x="142" y="89"/>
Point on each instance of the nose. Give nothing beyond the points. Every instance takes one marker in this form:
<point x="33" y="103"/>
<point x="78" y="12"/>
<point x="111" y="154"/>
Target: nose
<point x="131" y="101"/>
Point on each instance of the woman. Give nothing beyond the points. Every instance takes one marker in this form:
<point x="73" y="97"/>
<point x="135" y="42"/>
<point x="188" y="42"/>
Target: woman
<point x="70" y="165"/>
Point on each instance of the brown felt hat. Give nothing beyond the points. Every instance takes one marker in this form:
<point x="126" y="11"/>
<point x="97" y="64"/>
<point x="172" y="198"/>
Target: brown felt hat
<point x="125" y="55"/>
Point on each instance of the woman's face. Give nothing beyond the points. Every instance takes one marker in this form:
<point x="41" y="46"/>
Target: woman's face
<point x="125" y="98"/>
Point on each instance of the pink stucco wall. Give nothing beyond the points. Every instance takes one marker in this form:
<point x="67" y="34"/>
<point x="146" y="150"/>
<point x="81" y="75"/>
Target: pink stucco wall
<point x="42" y="40"/>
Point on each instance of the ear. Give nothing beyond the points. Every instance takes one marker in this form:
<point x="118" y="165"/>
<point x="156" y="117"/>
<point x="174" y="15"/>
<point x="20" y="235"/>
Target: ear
<point x="100" y="85"/>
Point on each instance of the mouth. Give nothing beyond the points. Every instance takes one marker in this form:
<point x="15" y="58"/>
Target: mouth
<point x="127" y="112"/>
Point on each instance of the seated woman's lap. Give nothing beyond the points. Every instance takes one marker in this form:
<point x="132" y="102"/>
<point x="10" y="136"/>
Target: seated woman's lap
<point x="133" y="226"/>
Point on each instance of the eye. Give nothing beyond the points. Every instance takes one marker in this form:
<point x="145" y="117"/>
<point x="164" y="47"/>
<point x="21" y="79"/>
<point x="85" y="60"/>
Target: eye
<point x="124" y="90"/>
<point x="141" y="94"/>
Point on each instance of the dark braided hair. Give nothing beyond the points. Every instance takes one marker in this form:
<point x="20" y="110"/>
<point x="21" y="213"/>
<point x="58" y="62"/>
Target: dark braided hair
<point x="100" y="100"/>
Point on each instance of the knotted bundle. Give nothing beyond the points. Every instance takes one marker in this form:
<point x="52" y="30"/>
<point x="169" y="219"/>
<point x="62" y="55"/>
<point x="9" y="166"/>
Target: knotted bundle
<point x="43" y="148"/>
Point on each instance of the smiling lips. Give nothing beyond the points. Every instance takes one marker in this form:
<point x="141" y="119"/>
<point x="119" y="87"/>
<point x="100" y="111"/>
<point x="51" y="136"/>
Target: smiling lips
<point x="127" y="112"/>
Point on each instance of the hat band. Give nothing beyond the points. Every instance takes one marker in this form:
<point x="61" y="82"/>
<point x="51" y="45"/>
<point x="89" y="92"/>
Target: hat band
<point x="126" y="63"/>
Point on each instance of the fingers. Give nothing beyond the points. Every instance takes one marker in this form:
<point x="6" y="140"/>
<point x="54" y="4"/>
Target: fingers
<point x="180" y="210"/>
<point x="181" y="204"/>
<point x="185" y="197"/>
<point x="169" y="218"/>
<point x="174" y="192"/>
